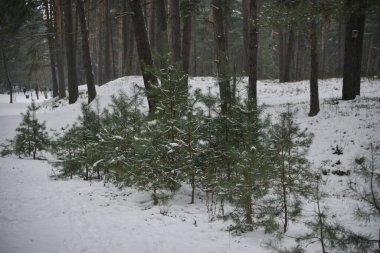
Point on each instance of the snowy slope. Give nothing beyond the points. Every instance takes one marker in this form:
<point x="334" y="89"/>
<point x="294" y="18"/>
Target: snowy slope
<point x="39" y="214"/>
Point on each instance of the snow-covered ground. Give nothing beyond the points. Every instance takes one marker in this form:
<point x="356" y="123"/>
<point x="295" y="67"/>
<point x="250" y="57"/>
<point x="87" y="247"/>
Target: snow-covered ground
<point x="39" y="214"/>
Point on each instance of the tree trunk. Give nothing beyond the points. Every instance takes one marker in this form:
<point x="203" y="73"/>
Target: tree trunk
<point x="339" y="67"/>
<point x="162" y="43"/>
<point x="221" y="56"/>
<point x="86" y="52"/>
<point x="288" y="56"/>
<point x="281" y="54"/>
<point x="314" y="97"/>
<point x="175" y="30"/>
<point x="107" y="46"/>
<point x="187" y="8"/>
<point x="245" y="8"/>
<point x="51" y="47"/>
<point x="324" y="40"/>
<point x="152" y="25"/>
<point x="369" y="58"/>
<point x="131" y="49"/>
<point x="70" y="53"/>
<point x="195" y="57"/>
<point x="10" y="86"/>
<point x="253" y="39"/>
<point x="125" y="34"/>
<point x="59" y="48"/>
<point x="353" y="54"/>
<point x="99" y="27"/>
<point x="144" y="52"/>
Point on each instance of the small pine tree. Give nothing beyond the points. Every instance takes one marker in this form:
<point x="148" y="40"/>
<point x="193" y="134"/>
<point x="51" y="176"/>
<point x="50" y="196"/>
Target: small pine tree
<point x="78" y="149"/>
<point x="367" y="170"/>
<point x="31" y="136"/>
<point x="330" y="234"/>
<point x="291" y="173"/>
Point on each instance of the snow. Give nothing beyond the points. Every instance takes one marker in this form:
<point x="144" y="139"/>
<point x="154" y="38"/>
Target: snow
<point x="40" y="214"/>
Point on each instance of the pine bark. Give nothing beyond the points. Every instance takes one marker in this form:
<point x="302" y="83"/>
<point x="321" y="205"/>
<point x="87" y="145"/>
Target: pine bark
<point x="10" y="85"/>
<point x="131" y="51"/>
<point x="187" y="7"/>
<point x="107" y="45"/>
<point x="324" y="46"/>
<point x="50" y="31"/>
<point x="288" y="56"/>
<point x="144" y="52"/>
<point x="86" y="52"/>
<point x="70" y="53"/>
<point x="221" y="56"/>
<point x="314" y="96"/>
<point x="162" y="43"/>
<point x="175" y="30"/>
<point x="353" y="54"/>
<point x="281" y="54"/>
<point x="245" y="10"/>
<point x="59" y="48"/>
<point x="253" y="39"/>
<point x="125" y="31"/>
<point x="100" y="45"/>
<point x="152" y="25"/>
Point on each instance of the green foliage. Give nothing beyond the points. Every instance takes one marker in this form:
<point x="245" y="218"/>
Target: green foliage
<point x="330" y="234"/>
<point x="78" y="148"/>
<point x="232" y="155"/>
<point x="290" y="174"/>
<point x="367" y="170"/>
<point x="31" y="136"/>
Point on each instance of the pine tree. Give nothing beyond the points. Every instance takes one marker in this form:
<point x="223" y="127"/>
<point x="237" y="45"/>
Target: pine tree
<point x="291" y="168"/>
<point x="78" y="149"/>
<point x="31" y="136"/>
<point x="330" y="234"/>
<point x="367" y="170"/>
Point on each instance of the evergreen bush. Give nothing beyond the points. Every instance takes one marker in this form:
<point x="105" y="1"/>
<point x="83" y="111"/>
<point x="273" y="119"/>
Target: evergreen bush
<point x="31" y="136"/>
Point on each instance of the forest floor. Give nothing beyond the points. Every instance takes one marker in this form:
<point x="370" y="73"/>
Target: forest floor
<point x="40" y="214"/>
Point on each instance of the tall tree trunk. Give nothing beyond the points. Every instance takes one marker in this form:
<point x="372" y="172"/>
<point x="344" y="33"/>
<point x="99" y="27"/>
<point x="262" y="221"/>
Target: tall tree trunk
<point x="297" y="59"/>
<point x="144" y="52"/>
<point x="70" y="53"/>
<point x="369" y="58"/>
<point x="281" y="54"/>
<point x="187" y="9"/>
<point x="253" y="39"/>
<point x="314" y="96"/>
<point x="125" y="33"/>
<point x="245" y="8"/>
<point x="50" y="31"/>
<point x="6" y="72"/>
<point x="131" y="50"/>
<point x="100" y="45"/>
<point x="107" y="46"/>
<point x="324" y="40"/>
<point x="221" y="56"/>
<point x="59" y="48"/>
<point x="353" y="53"/>
<point x="152" y="25"/>
<point x="289" y="55"/>
<point x="186" y="34"/>
<point x="86" y="52"/>
<point x="339" y="67"/>
<point x="112" y="53"/>
<point x="175" y="30"/>
<point x="195" y="57"/>
<point x="162" y="43"/>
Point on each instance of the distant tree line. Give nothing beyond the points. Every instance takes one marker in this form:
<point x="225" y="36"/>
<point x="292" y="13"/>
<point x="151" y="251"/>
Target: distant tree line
<point x="64" y="43"/>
